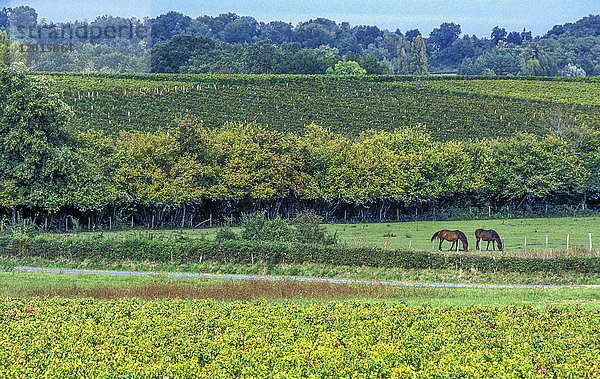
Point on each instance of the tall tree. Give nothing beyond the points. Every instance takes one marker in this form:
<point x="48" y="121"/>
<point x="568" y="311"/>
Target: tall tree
<point x="411" y="34"/>
<point x="498" y="35"/>
<point x="444" y="36"/>
<point x="4" y="17"/>
<point x="514" y="37"/>
<point x="241" y="30"/>
<point x="4" y="49"/>
<point x="403" y="63"/>
<point x="418" y="57"/>
<point x="170" y="56"/>
<point x="37" y="165"/>
<point x="167" y="26"/>
<point x="277" y="31"/>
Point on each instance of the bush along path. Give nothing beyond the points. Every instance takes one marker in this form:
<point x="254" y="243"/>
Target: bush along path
<point x="273" y="253"/>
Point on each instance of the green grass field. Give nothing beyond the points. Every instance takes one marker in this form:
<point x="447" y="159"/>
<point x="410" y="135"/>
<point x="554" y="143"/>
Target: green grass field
<point x="513" y="232"/>
<point x="417" y="235"/>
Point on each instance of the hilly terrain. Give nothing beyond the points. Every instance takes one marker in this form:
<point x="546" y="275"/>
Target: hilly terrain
<point x="451" y="107"/>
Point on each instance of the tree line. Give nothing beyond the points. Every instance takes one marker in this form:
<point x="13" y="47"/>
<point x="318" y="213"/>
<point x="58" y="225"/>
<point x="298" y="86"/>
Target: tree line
<point x="48" y="168"/>
<point x="225" y="43"/>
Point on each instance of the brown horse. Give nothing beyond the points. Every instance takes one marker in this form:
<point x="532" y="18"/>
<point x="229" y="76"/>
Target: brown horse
<point x="453" y="236"/>
<point x="489" y="236"/>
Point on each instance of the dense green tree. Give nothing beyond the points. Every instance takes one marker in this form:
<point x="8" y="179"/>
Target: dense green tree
<point x="372" y="66"/>
<point x="223" y="59"/>
<point x="526" y="36"/>
<point x="346" y="68"/>
<point x="535" y="62"/>
<point x="315" y="33"/>
<point x="23" y="17"/>
<point x="411" y="34"/>
<point x="260" y="58"/>
<point x="5" y="43"/>
<point x="418" y="54"/>
<point x="403" y="63"/>
<point x="241" y="30"/>
<point x="497" y="61"/>
<point x="366" y="35"/>
<point x="585" y="27"/>
<point x="514" y="38"/>
<point x="346" y="40"/>
<point x="442" y="37"/>
<point x="4" y="18"/>
<point x="37" y="163"/>
<point x="498" y="35"/>
<point x="167" y="26"/>
<point x="277" y="31"/>
<point x="170" y="56"/>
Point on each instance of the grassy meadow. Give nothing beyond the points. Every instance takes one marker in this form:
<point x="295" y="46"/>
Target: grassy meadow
<point x="417" y="235"/>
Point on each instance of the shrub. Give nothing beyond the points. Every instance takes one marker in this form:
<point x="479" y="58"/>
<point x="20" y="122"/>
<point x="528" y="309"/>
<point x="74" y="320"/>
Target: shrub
<point x="226" y="234"/>
<point x="258" y="228"/>
<point x="308" y="229"/>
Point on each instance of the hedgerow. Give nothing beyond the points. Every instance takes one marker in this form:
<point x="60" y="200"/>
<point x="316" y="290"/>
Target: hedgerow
<point x="250" y="252"/>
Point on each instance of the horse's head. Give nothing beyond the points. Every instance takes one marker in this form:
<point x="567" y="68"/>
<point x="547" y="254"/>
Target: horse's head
<point x="463" y="238"/>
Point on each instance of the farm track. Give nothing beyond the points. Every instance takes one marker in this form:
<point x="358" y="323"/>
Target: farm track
<point x="279" y="278"/>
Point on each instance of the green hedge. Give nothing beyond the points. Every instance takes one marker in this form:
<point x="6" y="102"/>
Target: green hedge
<point x="245" y="252"/>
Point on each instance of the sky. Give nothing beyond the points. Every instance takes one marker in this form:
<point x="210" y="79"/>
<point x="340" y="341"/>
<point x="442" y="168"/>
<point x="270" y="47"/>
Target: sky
<point x="474" y="16"/>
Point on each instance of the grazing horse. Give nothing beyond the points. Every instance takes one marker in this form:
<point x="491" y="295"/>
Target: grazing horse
<point x="453" y="236"/>
<point x="489" y="236"/>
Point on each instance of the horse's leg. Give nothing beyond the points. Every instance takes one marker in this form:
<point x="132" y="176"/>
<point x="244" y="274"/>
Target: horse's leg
<point x="440" y="248"/>
<point x="477" y="244"/>
<point x="488" y="246"/>
<point x="494" y="245"/>
<point x="452" y="247"/>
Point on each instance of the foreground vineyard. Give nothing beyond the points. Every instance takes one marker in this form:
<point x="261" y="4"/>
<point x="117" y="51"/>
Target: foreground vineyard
<point x="175" y="338"/>
<point x="451" y="108"/>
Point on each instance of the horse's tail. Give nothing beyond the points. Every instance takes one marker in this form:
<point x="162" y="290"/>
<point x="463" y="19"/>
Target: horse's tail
<point x="477" y="232"/>
<point x="434" y="236"/>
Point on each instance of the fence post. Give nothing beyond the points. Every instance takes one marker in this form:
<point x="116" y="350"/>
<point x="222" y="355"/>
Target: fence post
<point x="525" y="244"/>
<point x="546" y="243"/>
<point x="568" y="241"/>
<point x="409" y="244"/>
